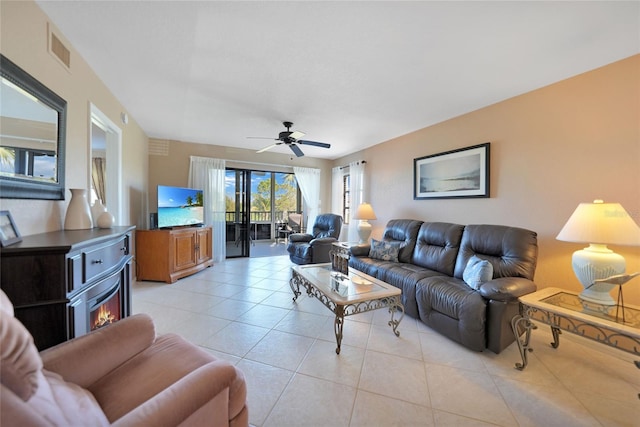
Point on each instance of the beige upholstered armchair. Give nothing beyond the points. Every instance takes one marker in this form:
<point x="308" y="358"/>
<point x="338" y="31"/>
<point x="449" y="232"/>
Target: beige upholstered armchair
<point x="122" y="374"/>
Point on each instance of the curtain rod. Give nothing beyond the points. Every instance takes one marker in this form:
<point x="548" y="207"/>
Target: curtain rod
<point x="346" y="166"/>
<point x="242" y="163"/>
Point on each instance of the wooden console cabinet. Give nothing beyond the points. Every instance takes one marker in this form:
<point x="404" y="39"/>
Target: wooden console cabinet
<point x="55" y="279"/>
<point x="169" y="255"/>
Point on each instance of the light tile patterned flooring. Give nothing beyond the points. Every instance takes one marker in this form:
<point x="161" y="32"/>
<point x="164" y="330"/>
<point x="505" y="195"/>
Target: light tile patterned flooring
<point x="241" y="310"/>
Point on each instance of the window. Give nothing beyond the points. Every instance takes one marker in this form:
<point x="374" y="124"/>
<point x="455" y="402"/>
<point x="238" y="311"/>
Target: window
<point x="346" y="198"/>
<point x="39" y="164"/>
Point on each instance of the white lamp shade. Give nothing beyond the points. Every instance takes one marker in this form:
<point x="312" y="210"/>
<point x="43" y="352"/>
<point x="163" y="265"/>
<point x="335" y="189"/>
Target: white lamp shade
<point x="603" y="223"/>
<point x="365" y="211"/>
<point x="599" y="224"/>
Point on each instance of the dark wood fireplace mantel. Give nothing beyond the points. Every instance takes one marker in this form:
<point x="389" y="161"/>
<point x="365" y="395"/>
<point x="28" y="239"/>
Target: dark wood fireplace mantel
<point x="54" y="278"/>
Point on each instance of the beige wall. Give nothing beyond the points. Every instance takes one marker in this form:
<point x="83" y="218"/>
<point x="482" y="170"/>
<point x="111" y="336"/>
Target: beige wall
<point x="551" y="149"/>
<point x="23" y="36"/>
<point x="172" y="167"/>
<point x="570" y="142"/>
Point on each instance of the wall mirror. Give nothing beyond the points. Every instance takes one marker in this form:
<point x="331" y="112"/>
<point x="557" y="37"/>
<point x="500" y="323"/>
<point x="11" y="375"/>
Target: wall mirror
<point x="32" y="136"/>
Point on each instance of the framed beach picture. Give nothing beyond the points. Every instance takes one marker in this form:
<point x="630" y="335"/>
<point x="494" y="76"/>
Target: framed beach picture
<point x="458" y="173"/>
<point x="9" y="233"/>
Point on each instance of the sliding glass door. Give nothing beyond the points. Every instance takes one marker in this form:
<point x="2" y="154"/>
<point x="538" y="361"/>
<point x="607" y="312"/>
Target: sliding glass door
<point x="237" y="192"/>
<point x="258" y="205"/>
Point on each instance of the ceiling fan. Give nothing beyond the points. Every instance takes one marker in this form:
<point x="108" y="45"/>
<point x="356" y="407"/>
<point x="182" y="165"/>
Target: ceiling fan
<point x="292" y="139"/>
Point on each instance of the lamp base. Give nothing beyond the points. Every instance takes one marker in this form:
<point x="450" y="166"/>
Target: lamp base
<point x="364" y="230"/>
<point x="593" y="263"/>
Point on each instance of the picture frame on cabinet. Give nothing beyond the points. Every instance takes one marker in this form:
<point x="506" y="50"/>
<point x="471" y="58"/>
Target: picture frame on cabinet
<point x="461" y="173"/>
<point x="9" y="233"/>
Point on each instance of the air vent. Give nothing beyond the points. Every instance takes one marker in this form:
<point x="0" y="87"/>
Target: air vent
<point x="58" y="49"/>
<point x="158" y="147"/>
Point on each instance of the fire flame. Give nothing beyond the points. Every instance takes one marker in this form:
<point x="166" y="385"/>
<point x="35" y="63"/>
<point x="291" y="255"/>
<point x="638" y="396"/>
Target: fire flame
<point x="103" y="317"/>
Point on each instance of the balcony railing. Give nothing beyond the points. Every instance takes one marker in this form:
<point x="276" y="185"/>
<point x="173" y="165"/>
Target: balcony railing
<point x="262" y="224"/>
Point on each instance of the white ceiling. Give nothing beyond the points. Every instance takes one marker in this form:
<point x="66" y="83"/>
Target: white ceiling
<point x="350" y="73"/>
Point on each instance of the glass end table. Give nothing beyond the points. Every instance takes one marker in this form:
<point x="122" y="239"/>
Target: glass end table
<point x="564" y="310"/>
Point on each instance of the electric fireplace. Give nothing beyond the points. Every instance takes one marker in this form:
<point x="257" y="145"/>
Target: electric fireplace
<point x="101" y="305"/>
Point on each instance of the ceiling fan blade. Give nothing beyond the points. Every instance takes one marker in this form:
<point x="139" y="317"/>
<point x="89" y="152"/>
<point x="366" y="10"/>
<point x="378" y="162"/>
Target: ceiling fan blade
<point x="296" y="150"/>
<point x="296" y="134"/>
<point x="268" y="147"/>
<point x="317" y="144"/>
<point x="261" y="137"/>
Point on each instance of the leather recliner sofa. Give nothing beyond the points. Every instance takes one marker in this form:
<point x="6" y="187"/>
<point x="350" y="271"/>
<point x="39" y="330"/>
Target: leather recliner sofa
<point x="314" y="248"/>
<point x="430" y="267"/>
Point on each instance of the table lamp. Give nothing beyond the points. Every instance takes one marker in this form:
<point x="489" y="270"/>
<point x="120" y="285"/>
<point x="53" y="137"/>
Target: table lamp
<point x="599" y="224"/>
<point x="364" y="213"/>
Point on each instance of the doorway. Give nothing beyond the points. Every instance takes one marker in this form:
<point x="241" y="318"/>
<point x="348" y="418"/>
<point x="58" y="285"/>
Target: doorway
<point x="258" y="204"/>
<point x="105" y="165"/>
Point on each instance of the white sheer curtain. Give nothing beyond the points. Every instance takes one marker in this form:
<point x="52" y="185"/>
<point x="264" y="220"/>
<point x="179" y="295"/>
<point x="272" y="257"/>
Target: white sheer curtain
<point x="309" y="182"/>
<point x="336" y="190"/>
<point x="208" y="174"/>
<point x="356" y="190"/>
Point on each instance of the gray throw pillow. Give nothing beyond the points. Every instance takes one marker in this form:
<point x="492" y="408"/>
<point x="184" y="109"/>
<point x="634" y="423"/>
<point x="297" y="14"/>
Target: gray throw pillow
<point x="477" y="272"/>
<point x="385" y="251"/>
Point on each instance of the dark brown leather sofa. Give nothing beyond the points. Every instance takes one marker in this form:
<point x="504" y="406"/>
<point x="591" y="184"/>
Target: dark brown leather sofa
<point x="429" y="271"/>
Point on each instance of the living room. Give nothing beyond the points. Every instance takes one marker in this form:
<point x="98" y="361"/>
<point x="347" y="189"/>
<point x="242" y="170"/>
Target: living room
<point x="552" y="148"/>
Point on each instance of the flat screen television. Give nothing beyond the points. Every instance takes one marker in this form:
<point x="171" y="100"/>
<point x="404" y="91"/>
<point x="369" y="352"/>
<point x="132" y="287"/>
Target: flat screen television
<point x="179" y="207"/>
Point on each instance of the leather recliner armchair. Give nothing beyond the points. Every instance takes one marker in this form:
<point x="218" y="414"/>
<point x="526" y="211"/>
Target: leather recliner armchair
<point x="118" y="375"/>
<point x="314" y="248"/>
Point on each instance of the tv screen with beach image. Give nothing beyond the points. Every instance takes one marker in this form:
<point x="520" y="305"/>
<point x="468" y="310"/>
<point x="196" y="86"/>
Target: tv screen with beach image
<point x="179" y="206"/>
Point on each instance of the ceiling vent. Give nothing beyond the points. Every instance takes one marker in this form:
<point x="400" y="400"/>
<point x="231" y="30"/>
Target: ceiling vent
<point x="58" y="49"/>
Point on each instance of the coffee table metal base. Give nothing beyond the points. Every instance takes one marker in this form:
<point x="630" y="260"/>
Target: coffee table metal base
<point x="341" y="311"/>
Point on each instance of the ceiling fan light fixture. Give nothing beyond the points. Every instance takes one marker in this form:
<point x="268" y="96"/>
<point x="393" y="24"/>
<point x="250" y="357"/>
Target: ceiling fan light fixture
<point x="291" y="138"/>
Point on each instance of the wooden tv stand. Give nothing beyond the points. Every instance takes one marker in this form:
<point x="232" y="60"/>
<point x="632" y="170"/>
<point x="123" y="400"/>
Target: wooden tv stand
<point x="167" y="255"/>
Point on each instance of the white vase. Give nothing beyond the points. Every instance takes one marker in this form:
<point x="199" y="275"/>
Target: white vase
<point x="96" y="210"/>
<point x="78" y="215"/>
<point x="105" y="220"/>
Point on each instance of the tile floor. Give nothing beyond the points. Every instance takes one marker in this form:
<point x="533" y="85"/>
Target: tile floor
<point x="242" y="311"/>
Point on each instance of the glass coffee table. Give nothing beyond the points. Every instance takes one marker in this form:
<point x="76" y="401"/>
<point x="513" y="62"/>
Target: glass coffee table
<point x="346" y="294"/>
<point x="564" y="310"/>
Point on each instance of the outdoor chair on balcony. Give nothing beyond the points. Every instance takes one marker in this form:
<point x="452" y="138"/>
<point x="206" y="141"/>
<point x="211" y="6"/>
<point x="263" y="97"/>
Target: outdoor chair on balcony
<point x="293" y="225"/>
<point x="314" y="248"/>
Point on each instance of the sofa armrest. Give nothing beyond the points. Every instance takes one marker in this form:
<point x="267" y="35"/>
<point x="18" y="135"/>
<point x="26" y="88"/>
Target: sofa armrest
<point x="323" y="241"/>
<point x="300" y="237"/>
<point x="86" y="359"/>
<point x="360" y="250"/>
<point x="507" y="288"/>
<point x="173" y="405"/>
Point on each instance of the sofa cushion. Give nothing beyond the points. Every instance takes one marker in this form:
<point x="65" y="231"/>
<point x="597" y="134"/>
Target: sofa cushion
<point x="300" y="253"/>
<point x="369" y="266"/>
<point x="512" y="251"/>
<point x="477" y="272"/>
<point x="20" y="361"/>
<point x="62" y="403"/>
<point x="405" y="276"/>
<point x="451" y="307"/>
<point x="384" y="250"/>
<point x="166" y="361"/>
<point x="404" y="231"/>
<point x="437" y="246"/>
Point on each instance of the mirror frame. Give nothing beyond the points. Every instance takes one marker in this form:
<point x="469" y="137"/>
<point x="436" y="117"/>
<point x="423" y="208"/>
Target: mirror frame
<point x="24" y="188"/>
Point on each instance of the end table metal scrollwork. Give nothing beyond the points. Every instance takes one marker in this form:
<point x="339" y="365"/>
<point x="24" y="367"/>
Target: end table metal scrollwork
<point x="564" y="311"/>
